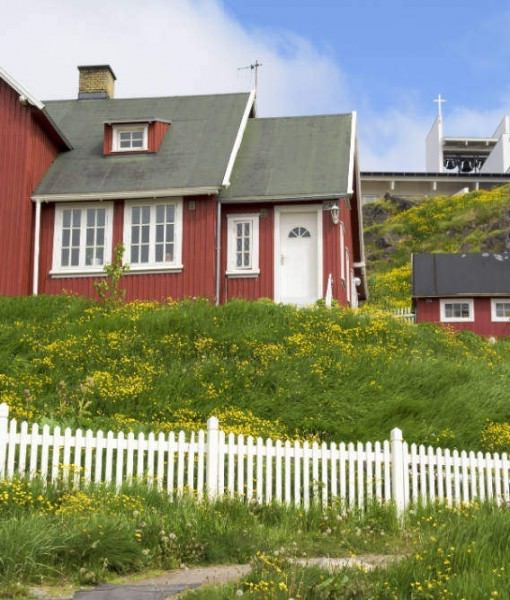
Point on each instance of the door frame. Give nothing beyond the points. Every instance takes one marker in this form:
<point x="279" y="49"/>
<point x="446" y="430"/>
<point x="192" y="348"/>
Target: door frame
<point x="297" y="208"/>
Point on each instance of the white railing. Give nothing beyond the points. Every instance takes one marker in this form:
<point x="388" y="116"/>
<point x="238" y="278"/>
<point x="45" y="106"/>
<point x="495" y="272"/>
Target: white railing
<point x="215" y="464"/>
<point x="406" y="314"/>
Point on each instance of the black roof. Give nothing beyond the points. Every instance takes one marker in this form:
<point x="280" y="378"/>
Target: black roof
<point x="444" y="275"/>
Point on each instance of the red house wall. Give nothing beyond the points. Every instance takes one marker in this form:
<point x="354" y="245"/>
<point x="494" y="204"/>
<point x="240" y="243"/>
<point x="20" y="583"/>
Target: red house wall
<point x="428" y="310"/>
<point x="26" y="151"/>
<point x="197" y="278"/>
<point x="262" y="286"/>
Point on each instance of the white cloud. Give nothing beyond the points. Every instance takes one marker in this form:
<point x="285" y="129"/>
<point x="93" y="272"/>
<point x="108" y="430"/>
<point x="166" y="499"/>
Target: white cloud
<point x="163" y="48"/>
<point x="174" y="47"/>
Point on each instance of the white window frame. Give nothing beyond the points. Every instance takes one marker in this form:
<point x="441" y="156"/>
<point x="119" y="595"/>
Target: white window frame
<point x="342" y="250"/>
<point x="152" y="265"/>
<point x="81" y="268"/>
<point x="348" y="275"/>
<point x="232" y="221"/>
<point x="494" y="316"/>
<point x="442" y="309"/>
<point x="135" y="128"/>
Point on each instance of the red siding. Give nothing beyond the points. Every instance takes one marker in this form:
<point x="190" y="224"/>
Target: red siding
<point x="26" y="151"/>
<point x="197" y="278"/>
<point x="157" y="132"/>
<point x="262" y="286"/>
<point x="427" y="310"/>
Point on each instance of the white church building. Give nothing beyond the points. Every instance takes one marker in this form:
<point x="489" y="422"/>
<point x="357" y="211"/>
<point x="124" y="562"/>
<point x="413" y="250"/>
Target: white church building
<point x="454" y="165"/>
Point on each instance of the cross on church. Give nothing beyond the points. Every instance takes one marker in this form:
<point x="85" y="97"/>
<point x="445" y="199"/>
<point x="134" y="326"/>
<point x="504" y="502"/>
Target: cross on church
<point x="439" y="101"/>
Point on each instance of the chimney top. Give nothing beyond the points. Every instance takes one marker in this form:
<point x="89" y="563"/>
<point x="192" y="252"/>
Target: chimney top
<point x="96" y="82"/>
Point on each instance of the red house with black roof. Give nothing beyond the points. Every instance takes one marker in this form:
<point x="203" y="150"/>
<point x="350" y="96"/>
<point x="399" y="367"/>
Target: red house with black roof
<point x="463" y="291"/>
<point x="207" y="199"/>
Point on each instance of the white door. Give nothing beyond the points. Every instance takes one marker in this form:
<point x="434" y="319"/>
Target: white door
<point x="298" y="261"/>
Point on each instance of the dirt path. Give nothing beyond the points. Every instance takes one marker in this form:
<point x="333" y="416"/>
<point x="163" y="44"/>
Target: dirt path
<point x="179" y="580"/>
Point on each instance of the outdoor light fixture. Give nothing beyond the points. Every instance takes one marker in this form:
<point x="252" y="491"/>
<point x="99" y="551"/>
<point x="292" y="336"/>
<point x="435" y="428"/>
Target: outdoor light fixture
<point x="335" y="213"/>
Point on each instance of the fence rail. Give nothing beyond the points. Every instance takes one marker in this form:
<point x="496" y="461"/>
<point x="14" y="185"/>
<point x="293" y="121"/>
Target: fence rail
<point x="406" y="314"/>
<point x="216" y="464"/>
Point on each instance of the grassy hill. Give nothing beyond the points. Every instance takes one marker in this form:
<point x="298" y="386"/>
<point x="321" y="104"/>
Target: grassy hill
<point x="261" y="368"/>
<point x="475" y="222"/>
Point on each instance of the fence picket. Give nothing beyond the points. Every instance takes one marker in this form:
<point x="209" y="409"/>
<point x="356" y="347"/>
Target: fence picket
<point x="265" y="470"/>
<point x="249" y="468"/>
<point x="306" y="475"/>
<point x="11" y="445"/>
<point x="119" y="463"/>
<point x="23" y="448"/>
<point x="34" y="447"/>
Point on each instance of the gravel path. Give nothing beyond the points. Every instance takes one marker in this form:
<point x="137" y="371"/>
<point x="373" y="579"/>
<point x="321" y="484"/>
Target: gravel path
<point x="179" y="580"/>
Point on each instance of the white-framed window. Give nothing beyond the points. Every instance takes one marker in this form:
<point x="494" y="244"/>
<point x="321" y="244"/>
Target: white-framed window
<point x="129" y="138"/>
<point x="342" y="250"/>
<point x="500" y="309"/>
<point x="458" y="309"/>
<point x="153" y="234"/>
<point x="82" y="240"/>
<point x="243" y="245"/>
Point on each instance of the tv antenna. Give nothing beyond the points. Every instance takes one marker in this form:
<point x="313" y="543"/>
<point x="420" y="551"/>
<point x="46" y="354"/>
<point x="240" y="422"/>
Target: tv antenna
<point x="253" y="67"/>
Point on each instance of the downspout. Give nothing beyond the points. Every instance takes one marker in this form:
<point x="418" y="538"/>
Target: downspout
<point x="218" y="250"/>
<point x="37" y="235"/>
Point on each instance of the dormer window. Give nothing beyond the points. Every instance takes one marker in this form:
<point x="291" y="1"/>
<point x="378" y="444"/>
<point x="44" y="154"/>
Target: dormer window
<point x="128" y="138"/>
<point x="124" y="136"/>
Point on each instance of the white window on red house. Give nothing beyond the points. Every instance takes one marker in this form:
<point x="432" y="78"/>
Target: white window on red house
<point x="457" y="310"/>
<point x="127" y="138"/>
<point x="153" y="234"/>
<point x="500" y="309"/>
<point x="243" y="245"/>
<point x="82" y="237"/>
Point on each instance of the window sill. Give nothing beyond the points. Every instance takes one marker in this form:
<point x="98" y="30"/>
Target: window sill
<point x="158" y="269"/>
<point x="457" y="320"/>
<point x="78" y="273"/>
<point x="241" y="274"/>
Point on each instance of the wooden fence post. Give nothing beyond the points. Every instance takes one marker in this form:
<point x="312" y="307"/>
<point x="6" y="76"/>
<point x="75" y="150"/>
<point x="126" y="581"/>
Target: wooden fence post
<point x="4" y="414"/>
<point x="212" y="457"/>
<point x="397" y="471"/>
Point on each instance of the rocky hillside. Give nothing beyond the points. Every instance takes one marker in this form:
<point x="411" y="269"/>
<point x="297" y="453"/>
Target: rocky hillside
<point x="397" y="227"/>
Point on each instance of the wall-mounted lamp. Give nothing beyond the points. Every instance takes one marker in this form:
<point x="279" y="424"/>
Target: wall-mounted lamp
<point x="335" y="213"/>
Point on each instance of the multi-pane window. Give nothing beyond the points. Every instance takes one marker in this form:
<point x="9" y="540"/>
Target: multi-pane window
<point x="153" y="234"/>
<point x="500" y="309"/>
<point x="457" y="310"/>
<point x="82" y="237"/>
<point x="129" y="137"/>
<point x="243" y="244"/>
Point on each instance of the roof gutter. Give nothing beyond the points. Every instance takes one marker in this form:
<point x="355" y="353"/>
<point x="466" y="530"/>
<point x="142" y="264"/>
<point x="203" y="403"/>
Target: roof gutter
<point x="125" y="195"/>
<point x="283" y="198"/>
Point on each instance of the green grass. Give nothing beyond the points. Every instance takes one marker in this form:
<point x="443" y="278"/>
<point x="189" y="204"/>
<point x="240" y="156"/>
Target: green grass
<point x="56" y="534"/>
<point x="450" y="554"/>
<point x="263" y="369"/>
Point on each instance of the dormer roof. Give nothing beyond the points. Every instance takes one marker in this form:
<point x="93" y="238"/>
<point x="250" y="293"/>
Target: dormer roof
<point x="195" y="154"/>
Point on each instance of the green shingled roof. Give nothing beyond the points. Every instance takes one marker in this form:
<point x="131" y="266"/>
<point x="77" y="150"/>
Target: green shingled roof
<point x="194" y="153"/>
<point x="293" y="157"/>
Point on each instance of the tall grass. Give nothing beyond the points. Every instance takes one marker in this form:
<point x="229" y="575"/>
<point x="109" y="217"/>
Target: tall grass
<point x="263" y="369"/>
<point x="55" y="533"/>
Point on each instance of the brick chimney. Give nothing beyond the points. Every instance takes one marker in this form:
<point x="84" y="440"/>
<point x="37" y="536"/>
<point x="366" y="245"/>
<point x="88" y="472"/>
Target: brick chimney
<point x="96" y="81"/>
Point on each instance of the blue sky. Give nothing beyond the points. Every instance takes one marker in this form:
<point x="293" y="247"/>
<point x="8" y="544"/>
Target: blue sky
<point x="386" y="59"/>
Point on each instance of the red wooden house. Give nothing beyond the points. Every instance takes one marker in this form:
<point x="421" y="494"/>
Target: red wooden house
<point x="464" y="291"/>
<point x="208" y="199"/>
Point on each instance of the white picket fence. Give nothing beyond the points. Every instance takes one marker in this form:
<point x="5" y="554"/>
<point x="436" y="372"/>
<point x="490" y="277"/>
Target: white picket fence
<point x="215" y="464"/>
<point x="406" y="314"/>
